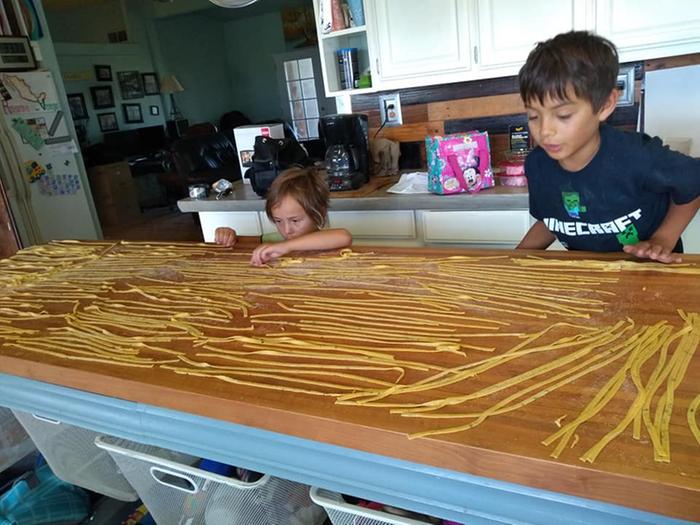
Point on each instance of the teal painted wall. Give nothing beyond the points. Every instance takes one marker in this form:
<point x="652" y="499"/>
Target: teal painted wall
<point x="223" y="64"/>
<point x="77" y="63"/>
<point x="192" y="47"/>
<point x="79" y="60"/>
<point x="251" y="43"/>
<point x="89" y="24"/>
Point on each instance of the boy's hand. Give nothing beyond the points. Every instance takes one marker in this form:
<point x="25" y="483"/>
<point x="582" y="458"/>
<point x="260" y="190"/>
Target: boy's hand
<point x="652" y="250"/>
<point x="267" y="252"/>
<point x="225" y="236"/>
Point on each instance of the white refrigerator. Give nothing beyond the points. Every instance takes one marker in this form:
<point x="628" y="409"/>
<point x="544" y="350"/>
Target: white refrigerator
<point x="672" y="112"/>
<point x="40" y="165"/>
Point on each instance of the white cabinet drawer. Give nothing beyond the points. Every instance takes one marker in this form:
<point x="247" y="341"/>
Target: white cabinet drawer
<point x="556" y="245"/>
<point x="483" y="227"/>
<point x="244" y="222"/>
<point x="267" y="225"/>
<point x="691" y="236"/>
<point x="375" y="224"/>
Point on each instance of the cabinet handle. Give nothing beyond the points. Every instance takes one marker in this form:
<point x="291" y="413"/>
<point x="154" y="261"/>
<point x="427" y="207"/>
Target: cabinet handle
<point x="376" y="64"/>
<point x="476" y="55"/>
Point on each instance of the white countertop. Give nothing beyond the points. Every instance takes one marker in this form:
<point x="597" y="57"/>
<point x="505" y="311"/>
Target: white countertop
<point x="243" y="198"/>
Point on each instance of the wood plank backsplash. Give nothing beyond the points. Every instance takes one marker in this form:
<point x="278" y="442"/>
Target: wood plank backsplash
<point x="486" y="105"/>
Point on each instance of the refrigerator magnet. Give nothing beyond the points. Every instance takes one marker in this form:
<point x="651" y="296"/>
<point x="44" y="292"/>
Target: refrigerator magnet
<point x="33" y="170"/>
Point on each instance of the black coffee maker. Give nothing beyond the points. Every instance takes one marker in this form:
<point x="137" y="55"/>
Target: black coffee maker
<point x="347" y="150"/>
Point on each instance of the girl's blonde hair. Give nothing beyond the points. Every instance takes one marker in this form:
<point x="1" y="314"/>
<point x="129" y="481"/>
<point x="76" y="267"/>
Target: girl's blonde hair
<point x="305" y="185"/>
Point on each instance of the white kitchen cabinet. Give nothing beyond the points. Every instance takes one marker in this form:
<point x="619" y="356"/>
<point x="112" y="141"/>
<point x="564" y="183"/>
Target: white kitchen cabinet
<point x="372" y="227"/>
<point x="454" y="228"/>
<point x="409" y="43"/>
<point x="267" y="225"/>
<point x="422" y="40"/>
<point x="509" y="29"/>
<point x="244" y="222"/>
<point x="377" y="224"/>
<point x="691" y="236"/>
<point x="495" y="229"/>
<point x="371" y="224"/>
<point x="645" y="29"/>
<point x="556" y="245"/>
<point x="465" y="39"/>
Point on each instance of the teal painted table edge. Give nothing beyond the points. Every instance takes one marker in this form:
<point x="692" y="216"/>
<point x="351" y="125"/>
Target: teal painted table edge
<point x="439" y="492"/>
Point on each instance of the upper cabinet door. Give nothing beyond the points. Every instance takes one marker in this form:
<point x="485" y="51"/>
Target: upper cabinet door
<point x="645" y="29"/>
<point x="509" y="29"/>
<point x="421" y="38"/>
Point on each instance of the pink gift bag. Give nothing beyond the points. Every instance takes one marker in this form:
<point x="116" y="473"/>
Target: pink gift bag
<point x="459" y="162"/>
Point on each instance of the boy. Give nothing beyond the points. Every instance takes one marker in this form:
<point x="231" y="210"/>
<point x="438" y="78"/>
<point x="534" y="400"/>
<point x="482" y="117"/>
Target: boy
<point x="591" y="186"/>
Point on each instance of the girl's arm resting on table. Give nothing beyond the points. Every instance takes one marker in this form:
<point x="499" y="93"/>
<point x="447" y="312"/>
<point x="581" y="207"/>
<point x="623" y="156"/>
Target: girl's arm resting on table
<point x="319" y="240"/>
<point x="537" y="238"/>
<point x="660" y="246"/>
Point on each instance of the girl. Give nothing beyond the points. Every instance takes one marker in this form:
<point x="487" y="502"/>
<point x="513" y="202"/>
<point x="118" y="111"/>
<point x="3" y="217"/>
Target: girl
<point x="297" y="203"/>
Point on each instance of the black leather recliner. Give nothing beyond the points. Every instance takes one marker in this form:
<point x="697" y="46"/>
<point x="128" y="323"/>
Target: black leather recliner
<point x="205" y="159"/>
<point x="231" y="120"/>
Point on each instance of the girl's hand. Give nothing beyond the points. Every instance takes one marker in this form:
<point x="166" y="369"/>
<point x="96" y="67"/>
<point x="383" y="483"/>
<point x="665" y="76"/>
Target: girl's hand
<point x="225" y="236"/>
<point x="267" y="252"/>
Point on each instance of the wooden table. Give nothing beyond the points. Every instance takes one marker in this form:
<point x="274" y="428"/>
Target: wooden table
<point x="496" y="472"/>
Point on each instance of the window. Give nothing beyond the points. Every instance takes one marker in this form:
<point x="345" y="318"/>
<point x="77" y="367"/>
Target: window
<point x="301" y="92"/>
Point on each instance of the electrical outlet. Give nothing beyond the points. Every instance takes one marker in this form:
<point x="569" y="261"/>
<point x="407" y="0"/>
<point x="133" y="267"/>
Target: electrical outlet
<point x="625" y="86"/>
<point x="390" y="110"/>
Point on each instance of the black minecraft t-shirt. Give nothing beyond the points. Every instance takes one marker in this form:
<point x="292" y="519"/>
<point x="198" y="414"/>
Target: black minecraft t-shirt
<point x="621" y="196"/>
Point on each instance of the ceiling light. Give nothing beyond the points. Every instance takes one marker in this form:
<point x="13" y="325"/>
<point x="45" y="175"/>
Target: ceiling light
<point x="233" y="3"/>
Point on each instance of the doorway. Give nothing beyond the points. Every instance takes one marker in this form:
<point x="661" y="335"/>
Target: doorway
<point x="301" y="91"/>
<point x="9" y="239"/>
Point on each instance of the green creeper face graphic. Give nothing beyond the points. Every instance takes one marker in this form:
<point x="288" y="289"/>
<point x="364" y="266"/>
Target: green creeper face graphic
<point x="629" y="236"/>
<point x="572" y="203"/>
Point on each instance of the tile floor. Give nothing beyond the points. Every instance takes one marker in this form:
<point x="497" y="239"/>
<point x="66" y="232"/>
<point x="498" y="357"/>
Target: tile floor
<point x="158" y="224"/>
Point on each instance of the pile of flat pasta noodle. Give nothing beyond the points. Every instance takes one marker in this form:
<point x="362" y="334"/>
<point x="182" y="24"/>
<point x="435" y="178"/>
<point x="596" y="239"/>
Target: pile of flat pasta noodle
<point x="449" y="341"/>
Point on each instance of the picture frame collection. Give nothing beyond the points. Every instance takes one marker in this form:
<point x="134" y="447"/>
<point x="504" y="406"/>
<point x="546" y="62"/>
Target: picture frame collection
<point x="133" y="85"/>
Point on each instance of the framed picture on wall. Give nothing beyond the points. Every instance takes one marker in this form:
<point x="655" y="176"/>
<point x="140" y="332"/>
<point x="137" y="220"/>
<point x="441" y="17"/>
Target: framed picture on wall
<point x="103" y="72"/>
<point x="78" y="109"/>
<point x="150" y="83"/>
<point x="108" y="121"/>
<point x="155" y="110"/>
<point x="132" y="113"/>
<point x="130" y="84"/>
<point x="102" y="97"/>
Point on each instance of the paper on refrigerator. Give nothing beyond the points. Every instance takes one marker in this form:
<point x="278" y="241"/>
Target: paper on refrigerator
<point x="31" y="104"/>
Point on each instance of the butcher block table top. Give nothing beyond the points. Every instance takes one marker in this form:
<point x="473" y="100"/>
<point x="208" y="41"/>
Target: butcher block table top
<point x="465" y="360"/>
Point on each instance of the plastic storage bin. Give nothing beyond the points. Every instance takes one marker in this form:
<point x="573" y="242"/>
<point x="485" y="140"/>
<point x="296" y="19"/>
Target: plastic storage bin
<point x="343" y="513"/>
<point x="72" y="455"/>
<point x="39" y="497"/>
<point x="176" y="493"/>
<point x="14" y="441"/>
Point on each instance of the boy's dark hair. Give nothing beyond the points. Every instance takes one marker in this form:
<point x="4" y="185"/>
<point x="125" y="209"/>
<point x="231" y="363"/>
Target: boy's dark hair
<point x="581" y="61"/>
<point x="306" y="186"/>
